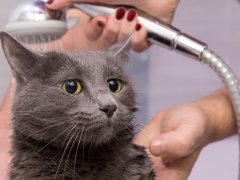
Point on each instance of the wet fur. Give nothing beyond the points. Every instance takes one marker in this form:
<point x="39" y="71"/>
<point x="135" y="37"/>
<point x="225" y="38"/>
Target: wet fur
<point x="62" y="136"/>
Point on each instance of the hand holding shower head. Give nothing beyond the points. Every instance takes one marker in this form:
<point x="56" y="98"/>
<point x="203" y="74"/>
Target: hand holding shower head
<point x="158" y="32"/>
<point x="33" y="19"/>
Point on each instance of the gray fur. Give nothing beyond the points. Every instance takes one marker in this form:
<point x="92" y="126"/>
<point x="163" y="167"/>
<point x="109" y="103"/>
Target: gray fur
<point x="48" y="121"/>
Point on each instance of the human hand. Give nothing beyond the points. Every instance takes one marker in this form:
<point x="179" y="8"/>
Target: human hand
<point x="161" y="9"/>
<point x="174" y="139"/>
<point x="102" y="32"/>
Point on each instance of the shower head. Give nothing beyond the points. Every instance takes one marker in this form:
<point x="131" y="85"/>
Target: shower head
<point x="32" y="22"/>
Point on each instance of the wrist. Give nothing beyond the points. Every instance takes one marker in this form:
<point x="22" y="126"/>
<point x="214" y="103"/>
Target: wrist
<point x="219" y="113"/>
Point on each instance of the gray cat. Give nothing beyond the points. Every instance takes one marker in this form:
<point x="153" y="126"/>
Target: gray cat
<point x="72" y="116"/>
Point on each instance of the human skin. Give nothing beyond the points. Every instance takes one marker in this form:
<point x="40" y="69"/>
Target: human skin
<point x="161" y="9"/>
<point x="176" y="136"/>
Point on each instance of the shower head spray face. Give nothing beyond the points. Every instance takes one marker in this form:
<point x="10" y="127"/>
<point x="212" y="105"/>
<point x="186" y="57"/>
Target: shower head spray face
<point x="32" y="22"/>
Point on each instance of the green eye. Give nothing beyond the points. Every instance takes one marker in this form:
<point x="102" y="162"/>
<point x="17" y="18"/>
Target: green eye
<point x="72" y="87"/>
<point x="115" y="85"/>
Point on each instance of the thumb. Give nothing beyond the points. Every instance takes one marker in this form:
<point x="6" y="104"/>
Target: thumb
<point x="174" y="144"/>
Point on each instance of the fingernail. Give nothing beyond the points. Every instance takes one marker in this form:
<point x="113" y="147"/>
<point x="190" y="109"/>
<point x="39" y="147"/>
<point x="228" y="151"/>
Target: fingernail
<point x="100" y="24"/>
<point x="157" y="147"/>
<point x="138" y="27"/>
<point x="50" y="1"/>
<point x="131" y="14"/>
<point x="120" y="13"/>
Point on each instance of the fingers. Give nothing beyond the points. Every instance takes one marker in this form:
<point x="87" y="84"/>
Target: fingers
<point x="103" y="32"/>
<point x="139" y="42"/>
<point x="120" y="25"/>
<point x="84" y="33"/>
<point x="183" y="130"/>
<point x="112" y="29"/>
<point x="128" y="24"/>
<point x="174" y="144"/>
<point x="95" y="28"/>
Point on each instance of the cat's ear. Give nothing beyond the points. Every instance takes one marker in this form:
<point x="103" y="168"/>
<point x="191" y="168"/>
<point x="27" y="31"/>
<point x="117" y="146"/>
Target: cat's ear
<point x="20" y="59"/>
<point x="121" y="49"/>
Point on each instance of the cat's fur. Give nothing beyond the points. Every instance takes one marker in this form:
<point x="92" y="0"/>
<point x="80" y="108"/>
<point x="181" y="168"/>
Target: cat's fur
<point x="63" y="136"/>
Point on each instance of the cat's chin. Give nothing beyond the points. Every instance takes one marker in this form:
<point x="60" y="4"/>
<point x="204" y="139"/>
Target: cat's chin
<point x="103" y="134"/>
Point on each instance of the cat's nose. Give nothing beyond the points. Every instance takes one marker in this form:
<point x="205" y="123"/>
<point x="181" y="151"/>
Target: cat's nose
<point x="109" y="109"/>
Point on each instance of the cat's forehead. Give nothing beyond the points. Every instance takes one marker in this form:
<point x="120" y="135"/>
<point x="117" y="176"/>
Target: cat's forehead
<point x="91" y="60"/>
<point x="84" y="64"/>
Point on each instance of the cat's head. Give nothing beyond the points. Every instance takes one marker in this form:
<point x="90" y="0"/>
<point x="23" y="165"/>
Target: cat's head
<point x="69" y="95"/>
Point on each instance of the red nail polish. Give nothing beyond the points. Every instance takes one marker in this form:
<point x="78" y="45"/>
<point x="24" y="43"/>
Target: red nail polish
<point x="50" y="1"/>
<point x="138" y="27"/>
<point x="131" y="15"/>
<point x="100" y="24"/>
<point x="120" y="13"/>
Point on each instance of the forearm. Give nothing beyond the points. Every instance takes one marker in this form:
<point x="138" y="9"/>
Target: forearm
<point x="219" y="110"/>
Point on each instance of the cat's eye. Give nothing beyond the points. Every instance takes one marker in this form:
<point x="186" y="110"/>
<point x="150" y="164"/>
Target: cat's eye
<point x="72" y="87"/>
<point x="115" y="85"/>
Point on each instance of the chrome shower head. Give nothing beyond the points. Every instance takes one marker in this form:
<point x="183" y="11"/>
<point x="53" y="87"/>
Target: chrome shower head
<point x="32" y="22"/>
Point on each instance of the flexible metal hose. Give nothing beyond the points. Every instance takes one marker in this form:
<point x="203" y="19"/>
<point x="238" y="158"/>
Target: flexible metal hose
<point x="229" y="79"/>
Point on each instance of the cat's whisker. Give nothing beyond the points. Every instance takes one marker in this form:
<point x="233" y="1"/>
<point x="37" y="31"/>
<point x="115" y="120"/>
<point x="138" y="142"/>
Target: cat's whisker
<point x="84" y="140"/>
<point x="116" y="140"/>
<point x="90" y="149"/>
<point x="144" y="116"/>
<point x="140" y="131"/>
<point x="54" y="125"/>
<point x="75" y="159"/>
<point x="128" y="131"/>
<point x="139" y="125"/>
<point x="70" y="152"/>
<point x="45" y="146"/>
<point x="65" y="139"/>
<point x="91" y="138"/>
<point x="65" y="151"/>
<point x="126" y="177"/>
<point x="142" y="126"/>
